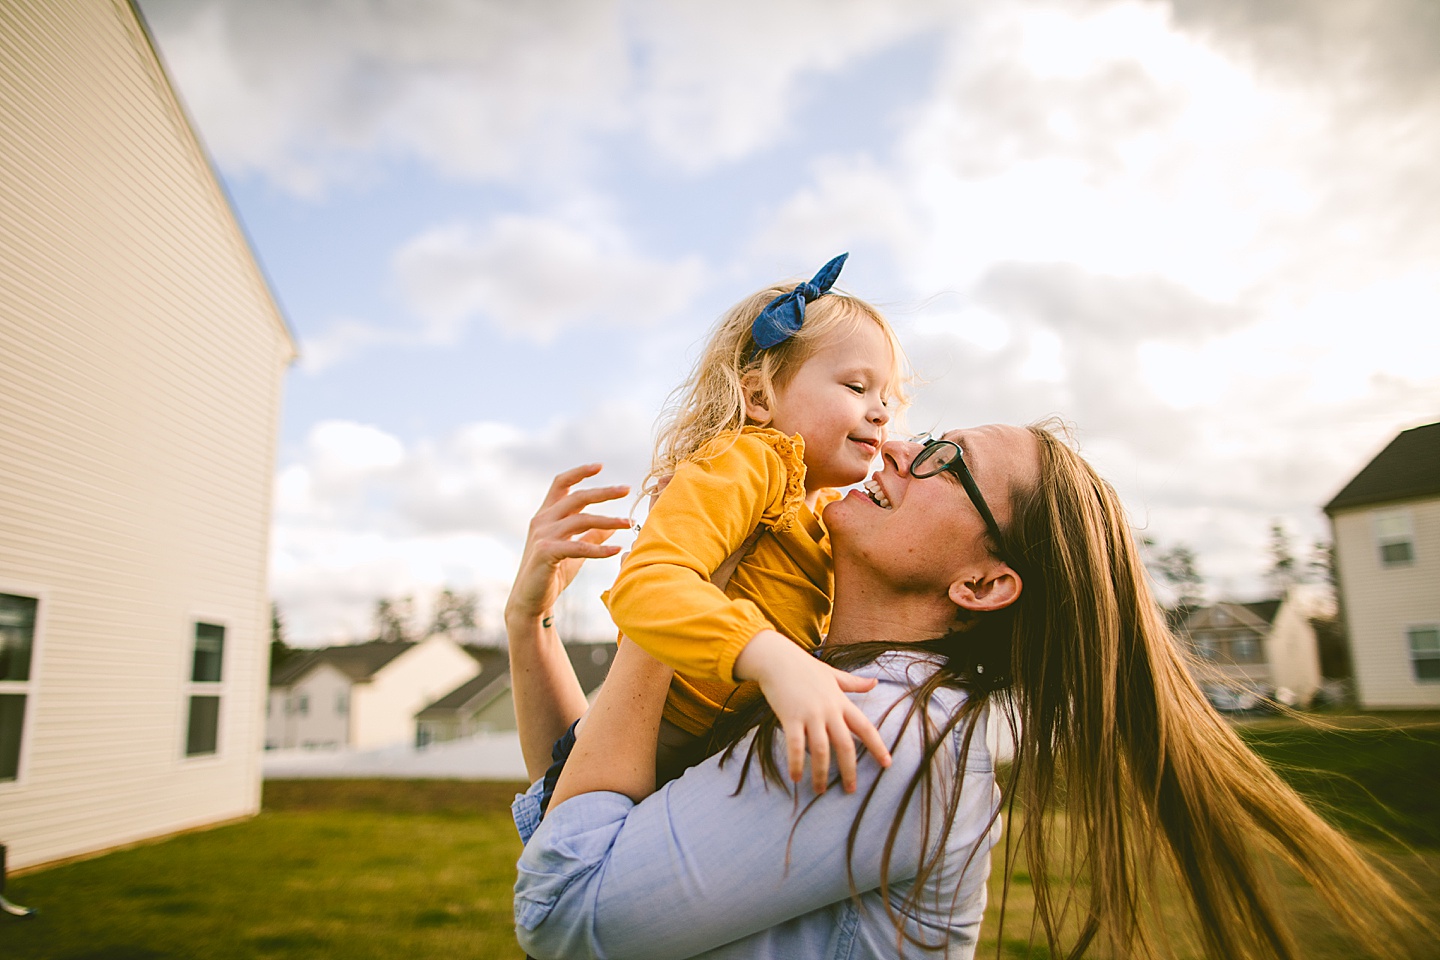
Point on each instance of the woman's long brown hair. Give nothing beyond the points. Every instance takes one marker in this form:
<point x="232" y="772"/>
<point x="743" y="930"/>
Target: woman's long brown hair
<point x="1151" y="784"/>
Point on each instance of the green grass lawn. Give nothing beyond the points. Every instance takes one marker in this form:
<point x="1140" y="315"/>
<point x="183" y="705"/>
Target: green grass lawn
<point x="411" y="870"/>
<point x="352" y="869"/>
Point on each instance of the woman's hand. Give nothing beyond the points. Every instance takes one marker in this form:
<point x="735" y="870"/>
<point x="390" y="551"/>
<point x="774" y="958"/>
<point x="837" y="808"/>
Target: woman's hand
<point x="547" y="694"/>
<point x="808" y="697"/>
<point x="562" y="537"/>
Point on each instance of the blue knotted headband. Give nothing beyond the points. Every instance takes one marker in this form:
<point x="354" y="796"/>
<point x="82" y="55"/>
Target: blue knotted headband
<point x="782" y="317"/>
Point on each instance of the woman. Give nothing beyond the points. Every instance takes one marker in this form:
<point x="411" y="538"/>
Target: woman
<point x="1005" y="579"/>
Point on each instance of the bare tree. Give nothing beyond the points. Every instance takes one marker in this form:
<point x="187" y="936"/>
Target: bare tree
<point x="395" y="619"/>
<point x="1283" y="572"/>
<point x="1177" y="567"/>
<point x="455" y="613"/>
<point x="1322" y="563"/>
<point x="280" y="651"/>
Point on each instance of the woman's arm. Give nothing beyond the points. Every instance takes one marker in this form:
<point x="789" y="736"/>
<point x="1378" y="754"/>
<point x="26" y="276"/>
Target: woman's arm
<point x="617" y="752"/>
<point x="547" y="695"/>
<point x="698" y="865"/>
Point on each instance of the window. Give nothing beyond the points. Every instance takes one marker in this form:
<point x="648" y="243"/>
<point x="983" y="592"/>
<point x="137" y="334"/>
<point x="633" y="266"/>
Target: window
<point x="1207" y="648"/>
<point x="342" y="702"/>
<point x="302" y="705"/>
<point x="1394" y="538"/>
<point x="1425" y="651"/>
<point x="1245" y="650"/>
<point x="202" y="735"/>
<point x="17" y="643"/>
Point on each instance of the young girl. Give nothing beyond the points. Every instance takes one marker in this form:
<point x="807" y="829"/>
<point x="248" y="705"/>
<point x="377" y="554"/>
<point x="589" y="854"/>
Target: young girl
<point x="788" y="402"/>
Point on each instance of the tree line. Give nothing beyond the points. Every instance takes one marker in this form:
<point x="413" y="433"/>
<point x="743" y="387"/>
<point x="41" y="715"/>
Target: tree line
<point x="1178" y="567"/>
<point x="456" y="612"/>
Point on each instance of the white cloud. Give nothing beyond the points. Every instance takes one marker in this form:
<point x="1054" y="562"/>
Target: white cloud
<point x="534" y="277"/>
<point x="722" y="83"/>
<point x="498" y="91"/>
<point x="308" y="94"/>
<point x="361" y="516"/>
<point x="342" y="340"/>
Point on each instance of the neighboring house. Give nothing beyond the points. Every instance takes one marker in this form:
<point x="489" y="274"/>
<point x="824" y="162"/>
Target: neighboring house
<point x="484" y="703"/>
<point x="1386" y="529"/>
<point x="479" y="705"/>
<point x="1249" y="652"/>
<point x="141" y="358"/>
<point x="360" y="696"/>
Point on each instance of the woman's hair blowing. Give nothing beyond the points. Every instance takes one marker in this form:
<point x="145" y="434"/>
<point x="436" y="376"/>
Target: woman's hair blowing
<point x="1151" y="780"/>
<point x="1124" y="778"/>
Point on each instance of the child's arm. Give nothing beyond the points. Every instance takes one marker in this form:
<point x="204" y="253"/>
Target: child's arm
<point x="808" y="697"/>
<point x="663" y="598"/>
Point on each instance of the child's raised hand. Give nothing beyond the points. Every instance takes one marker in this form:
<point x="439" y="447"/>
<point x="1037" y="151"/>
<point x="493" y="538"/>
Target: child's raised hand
<point x="808" y="697"/>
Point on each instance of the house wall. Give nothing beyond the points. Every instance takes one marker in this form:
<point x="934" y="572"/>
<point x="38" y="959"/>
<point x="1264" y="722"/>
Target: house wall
<point x="140" y="364"/>
<point x="497" y="715"/>
<point x="1381" y="603"/>
<point x="1291" y="647"/>
<point x="323" y="724"/>
<point x="384" y="709"/>
<point x="277" y="729"/>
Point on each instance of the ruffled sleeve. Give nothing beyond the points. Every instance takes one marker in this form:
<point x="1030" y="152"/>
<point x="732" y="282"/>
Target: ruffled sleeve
<point x="663" y="598"/>
<point x="791" y="452"/>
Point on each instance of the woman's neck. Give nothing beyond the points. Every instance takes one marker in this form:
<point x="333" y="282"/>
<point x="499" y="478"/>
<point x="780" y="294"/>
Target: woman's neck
<point x="868" y="610"/>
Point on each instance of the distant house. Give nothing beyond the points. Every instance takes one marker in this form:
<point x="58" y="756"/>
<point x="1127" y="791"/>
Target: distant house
<point x="484" y="703"/>
<point x="141" y="359"/>
<point x="1386" y="528"/>
<point x="360" y="696"/>
<point x="1248" y="652"/>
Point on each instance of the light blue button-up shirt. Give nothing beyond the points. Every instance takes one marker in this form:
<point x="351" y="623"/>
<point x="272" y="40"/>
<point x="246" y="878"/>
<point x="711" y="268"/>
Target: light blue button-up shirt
<point x="701" y="869"/>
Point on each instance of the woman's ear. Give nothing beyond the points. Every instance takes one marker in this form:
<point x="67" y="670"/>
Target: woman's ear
<point x="757" y="404"/>
<point x="993" y="589"/>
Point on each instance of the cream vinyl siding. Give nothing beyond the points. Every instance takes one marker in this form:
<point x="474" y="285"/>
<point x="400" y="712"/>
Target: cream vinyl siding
<point x="321" y="726"/>
<point x="383" y="708"/>
<point x="1291" y="648"/>
<point x="140" y="362"/>
<point x="1383" y="602"/>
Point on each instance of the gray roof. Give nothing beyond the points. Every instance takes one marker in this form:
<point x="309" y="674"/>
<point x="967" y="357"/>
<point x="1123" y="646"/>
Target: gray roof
<point x="358" y="661"/>
<point x="469" y="696"/>
<point x="1408" y="468"/>
<point x="591" y="662"/>
<point x="1257" y="616"/>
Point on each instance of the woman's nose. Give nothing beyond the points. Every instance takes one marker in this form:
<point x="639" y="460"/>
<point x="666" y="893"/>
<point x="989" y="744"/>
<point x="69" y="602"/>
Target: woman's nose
<point x="899" y="454"/>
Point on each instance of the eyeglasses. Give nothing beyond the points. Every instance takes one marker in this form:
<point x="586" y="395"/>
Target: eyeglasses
<point x="941" y="455"/>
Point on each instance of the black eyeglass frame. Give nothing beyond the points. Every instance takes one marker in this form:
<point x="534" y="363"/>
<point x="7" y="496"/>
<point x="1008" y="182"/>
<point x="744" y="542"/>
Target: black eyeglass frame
<point x="956" y="465"/>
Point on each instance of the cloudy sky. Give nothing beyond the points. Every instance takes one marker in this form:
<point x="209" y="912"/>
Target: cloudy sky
<point x="1207" y="232"/>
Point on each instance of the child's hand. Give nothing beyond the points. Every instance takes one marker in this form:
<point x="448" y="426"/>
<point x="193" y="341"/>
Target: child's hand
<point x="808" y="697"/>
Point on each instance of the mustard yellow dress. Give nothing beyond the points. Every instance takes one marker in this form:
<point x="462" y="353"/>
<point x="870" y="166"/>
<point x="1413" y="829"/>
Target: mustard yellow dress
<point x="663" y="598"/>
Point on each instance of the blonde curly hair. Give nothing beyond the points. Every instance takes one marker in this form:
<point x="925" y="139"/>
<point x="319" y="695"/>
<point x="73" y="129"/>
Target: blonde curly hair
<point x="711" y="401"/>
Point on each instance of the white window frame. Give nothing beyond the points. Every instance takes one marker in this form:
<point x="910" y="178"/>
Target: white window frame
<point x="1410" y="631"/>
<point x="205" y="688"/>
<point x="1404" y="533"/>
<point x="30" y="688"/>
